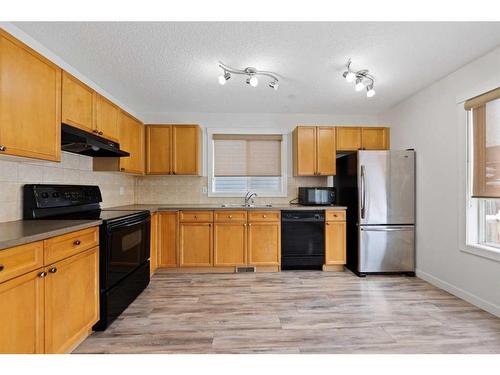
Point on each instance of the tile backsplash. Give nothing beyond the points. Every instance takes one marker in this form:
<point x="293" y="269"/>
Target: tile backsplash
<point x="116" y="188"/>
<point x="188" y="189"/>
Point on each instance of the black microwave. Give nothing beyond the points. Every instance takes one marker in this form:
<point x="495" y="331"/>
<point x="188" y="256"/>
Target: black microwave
<point x="316" y="196"/>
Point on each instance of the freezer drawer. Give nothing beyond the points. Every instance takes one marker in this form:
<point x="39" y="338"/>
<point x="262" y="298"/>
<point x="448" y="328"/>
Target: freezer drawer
<point x="387" y="248"/>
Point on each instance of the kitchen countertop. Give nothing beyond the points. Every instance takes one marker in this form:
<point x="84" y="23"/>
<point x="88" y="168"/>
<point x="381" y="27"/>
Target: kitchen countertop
<point x="20" y="232"/>
<point x="174" y="207"/>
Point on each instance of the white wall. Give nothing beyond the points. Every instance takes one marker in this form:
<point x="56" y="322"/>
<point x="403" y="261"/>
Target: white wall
<point x="433" y="122"/>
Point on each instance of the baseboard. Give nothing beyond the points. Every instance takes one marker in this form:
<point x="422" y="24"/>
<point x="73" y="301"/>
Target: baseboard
<point x="460" y="293"/>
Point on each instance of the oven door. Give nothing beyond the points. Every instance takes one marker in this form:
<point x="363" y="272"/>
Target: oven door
<point x="128" y="246"/>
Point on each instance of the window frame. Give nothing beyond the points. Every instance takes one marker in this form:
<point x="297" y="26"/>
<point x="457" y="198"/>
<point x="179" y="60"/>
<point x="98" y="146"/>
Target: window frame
<point x="210" y="162"/>
<point x="473" y="206"/>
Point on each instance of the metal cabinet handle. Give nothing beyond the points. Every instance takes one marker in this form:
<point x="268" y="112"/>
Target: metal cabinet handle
<point x="77" y="242"/>
<point x="1" y="267"/>
<point x="196" y="216"/>
<point x="3" y="148"/>
<point x="100" y="133"/>
<point x="42" y="274"/>
<point x="363" y="192"/>
<point x="230" y="216"/>
<point x="264" y="216"/>
<point x="95" y="131"/>
<point x="249" y="225"/>
<point x="53" y="270"/>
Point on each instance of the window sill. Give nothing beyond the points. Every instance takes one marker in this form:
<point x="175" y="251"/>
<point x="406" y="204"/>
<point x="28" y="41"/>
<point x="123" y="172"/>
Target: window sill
<point x="482" y="251"/>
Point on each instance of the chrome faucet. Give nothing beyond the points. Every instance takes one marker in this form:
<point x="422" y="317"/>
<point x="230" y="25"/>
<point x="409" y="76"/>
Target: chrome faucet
<point x="249" y="196"/>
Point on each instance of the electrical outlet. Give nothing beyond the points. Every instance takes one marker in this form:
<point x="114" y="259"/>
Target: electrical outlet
<point x="204" y="190"/>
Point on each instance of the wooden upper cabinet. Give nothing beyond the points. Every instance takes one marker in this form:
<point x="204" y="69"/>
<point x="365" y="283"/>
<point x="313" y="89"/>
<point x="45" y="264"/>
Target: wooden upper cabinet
<point x="375" y="138"/>
<point x="304" y="151"/>
<point x="131" y="135"/>
<point x="186" y="142"/>
<point x="326" y="151"/>
<point x="30" y="102"/>
<point x="78" y="101"/>
<point x="158" y="149"/>
<point x="348" y="138"/>
<point x="314" y="151"/>
<point x="71" y="300"/>
<point x="107" y="117"/>
<point x="21" y="312"/>
<point x="362" y="138"/>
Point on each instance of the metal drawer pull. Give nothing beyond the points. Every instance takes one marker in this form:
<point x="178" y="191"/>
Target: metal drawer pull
<point x="230" y="216"/>
<point x="3" y="148"/>
<point x="1" y="267"/>
<point x="264" y="216"/>
<point x="42" y="274"/>
<point x="77" y="242"/>
<point x="53" y="270"/>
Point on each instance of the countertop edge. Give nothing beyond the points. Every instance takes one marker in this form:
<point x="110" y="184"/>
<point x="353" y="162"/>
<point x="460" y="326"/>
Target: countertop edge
<point x="6" y="244"/>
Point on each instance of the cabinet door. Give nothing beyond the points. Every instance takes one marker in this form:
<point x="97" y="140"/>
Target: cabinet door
<point x="168" y="234"/>
<point x="131" y="135"/>
<point x="107" y="115"/>
<point x="195" y="245"/>
<point x="375" y="138"/>
<point x="304" y="151"/>
<point x="326" y="164"/>
<point x="348" y="138"/>
<point x="230" y="244"/>
<point x="71" y="300"/>
<point x="30" y="102"/>
<point x="78" y="102"/>
<point x="153" y="249"/>
<point x="264" y="244"/>
<point x="335" y="247"/>
<point x="21" y="312"/>
<point x="158" y="149"/>
<point x="186" y="149"/>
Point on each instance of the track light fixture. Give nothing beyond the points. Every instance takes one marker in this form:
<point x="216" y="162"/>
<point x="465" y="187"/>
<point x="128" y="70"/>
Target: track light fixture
<point x="251" y="74"/>
<point x="361" y="78"/>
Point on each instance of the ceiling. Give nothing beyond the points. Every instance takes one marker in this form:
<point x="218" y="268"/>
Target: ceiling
<point x="161" y="67"/>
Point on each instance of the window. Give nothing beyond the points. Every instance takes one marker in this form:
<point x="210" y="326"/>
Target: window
<point x="483" y="209"/>
<point x="241" y="162"/>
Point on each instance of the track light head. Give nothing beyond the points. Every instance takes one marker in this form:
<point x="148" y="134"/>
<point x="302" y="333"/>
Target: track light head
<point x="274" y="85"/>
<point x="224" y="77"/>
<point x="359" y="84"/>
<point x="252" y="81"/>
<point x="370" y="92"/>
<point x="349" y="76"/>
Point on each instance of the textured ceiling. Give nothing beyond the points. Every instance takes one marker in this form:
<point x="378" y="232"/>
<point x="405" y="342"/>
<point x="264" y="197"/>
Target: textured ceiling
<point x="173" y="67"/>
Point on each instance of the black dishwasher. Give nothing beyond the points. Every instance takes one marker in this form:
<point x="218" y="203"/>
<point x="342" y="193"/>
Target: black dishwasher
<point x="302" y="240"/>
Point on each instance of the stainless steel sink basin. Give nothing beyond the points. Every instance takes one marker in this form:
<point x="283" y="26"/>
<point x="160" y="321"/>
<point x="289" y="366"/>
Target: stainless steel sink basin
<point x="235" y="205"/>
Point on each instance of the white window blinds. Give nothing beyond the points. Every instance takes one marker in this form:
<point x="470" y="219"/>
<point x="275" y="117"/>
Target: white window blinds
<point x="247" y="155"/>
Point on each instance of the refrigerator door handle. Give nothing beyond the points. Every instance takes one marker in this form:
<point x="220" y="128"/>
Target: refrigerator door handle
<point x="363" y="192"/>
<point x="392" y="229"/>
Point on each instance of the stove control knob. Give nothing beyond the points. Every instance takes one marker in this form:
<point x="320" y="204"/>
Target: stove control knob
<point x="44" y="195"/>
<point x="55" y="195"/>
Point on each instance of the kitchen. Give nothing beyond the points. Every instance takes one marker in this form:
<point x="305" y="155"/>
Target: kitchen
<point x="133" y="226"/>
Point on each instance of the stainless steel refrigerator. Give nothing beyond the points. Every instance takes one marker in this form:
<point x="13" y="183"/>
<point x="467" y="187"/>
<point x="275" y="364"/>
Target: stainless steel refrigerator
<point x="378" y="188"/>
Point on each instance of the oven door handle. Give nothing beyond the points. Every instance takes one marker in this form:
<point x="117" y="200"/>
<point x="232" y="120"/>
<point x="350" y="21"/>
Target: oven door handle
<point x="128" y="224"/>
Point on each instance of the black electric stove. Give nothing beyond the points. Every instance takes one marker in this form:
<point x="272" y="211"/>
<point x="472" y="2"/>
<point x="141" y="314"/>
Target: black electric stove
<point x="124" y="240"/>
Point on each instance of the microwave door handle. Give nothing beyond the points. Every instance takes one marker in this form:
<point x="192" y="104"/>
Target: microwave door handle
<point x="363" y="192"/>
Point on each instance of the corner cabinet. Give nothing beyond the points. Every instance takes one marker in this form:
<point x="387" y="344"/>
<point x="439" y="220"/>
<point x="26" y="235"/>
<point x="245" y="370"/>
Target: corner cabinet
<point x="131" y="135"/>
<point x="30" y="102"/>
<point x="314" y="152"/>
<point x="173" y="150"/>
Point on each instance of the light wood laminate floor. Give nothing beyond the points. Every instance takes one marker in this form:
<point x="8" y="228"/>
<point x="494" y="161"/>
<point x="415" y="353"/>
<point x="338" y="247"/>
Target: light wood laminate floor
<point x="296" y="312"/>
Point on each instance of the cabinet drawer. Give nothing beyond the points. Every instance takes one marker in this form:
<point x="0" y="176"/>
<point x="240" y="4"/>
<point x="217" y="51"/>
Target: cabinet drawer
<point x="230" y="216"/>
<point x="264" y="216"/>
<point x="61" y="247"/>
<point x="20" y="260"/>
<point x="335" y="215"/>
<point x="196" y="216"/>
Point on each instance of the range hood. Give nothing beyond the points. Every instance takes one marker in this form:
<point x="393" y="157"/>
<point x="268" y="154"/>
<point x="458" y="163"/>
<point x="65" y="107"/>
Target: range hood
<point x="80" y="142"/>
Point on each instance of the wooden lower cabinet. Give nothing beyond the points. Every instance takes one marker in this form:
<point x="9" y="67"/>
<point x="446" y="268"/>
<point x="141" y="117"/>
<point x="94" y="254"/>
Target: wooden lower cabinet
<point x="153" y="248"/>
<point x="71" y="300"/>
<point x="230" y="244"/>
<point x="195" y="245"/>
<point x="335" y="243"/>
<point x="264" y="243"/>
<point x="168" y="235"/>
<point x="21" y="314"/>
